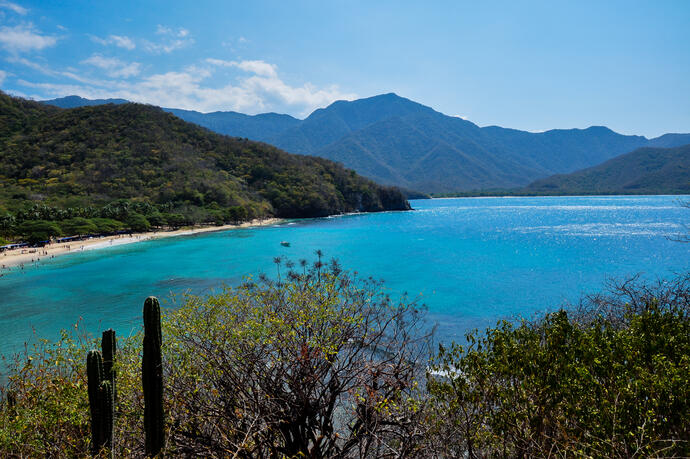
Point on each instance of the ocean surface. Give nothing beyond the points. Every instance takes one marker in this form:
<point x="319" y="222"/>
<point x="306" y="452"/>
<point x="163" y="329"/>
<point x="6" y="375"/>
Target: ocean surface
<point x="472" y="261"/>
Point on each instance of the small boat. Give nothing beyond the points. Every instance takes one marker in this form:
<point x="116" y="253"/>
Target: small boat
<point x="285" y="243"/>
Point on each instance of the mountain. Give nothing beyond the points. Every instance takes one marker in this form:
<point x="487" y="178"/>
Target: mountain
<point x="643" y="171"/>
<point x="396" y="141"/>
<point x="76" y="101"/>
<point x="92" y="156"/>
<point x="239" y="124"/>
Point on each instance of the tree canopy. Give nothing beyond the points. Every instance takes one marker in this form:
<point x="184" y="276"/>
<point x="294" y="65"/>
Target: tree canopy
<point x="112" y="160"/>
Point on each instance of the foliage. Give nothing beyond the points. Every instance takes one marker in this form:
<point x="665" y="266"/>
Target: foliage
<point x="643" y="171"/>
<point x="320" y="363"/>
<point x="116" y="161"/>
<point x="317" y="364"/>
<point x="37" y="231"/>
<point x="50" y="417"/>
<point x="78" y="225"/>
<point x="609" y="379"/>
<point x="398" y="141"/>
<point x="137" y="222"/>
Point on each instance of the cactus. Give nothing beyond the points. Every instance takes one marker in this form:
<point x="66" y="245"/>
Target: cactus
<point x="109" y="347"/>
<point x="152" y="378"/>
<point x="100" y="403"/>
<point x="106" y="405"/>
<point x="94" y="372"/>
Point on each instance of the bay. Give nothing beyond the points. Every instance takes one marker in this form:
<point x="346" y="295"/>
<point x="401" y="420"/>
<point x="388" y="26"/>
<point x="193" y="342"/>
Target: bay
<point x="472" y="261"/>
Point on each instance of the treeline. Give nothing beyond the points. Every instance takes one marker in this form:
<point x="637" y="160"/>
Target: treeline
<point x="319" y="363"/>
<point x="39" y="223"/>
<point x="94" y="157"/>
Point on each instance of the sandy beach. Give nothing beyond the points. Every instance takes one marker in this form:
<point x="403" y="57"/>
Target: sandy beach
<point x="30" y="255"/>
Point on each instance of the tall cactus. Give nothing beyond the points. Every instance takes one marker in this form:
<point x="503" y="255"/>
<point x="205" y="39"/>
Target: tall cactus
<point x="109" y="347"/>
<point x="100" y="403"/>
<point x="106" y="404"/>
<point x="152" y="378"/>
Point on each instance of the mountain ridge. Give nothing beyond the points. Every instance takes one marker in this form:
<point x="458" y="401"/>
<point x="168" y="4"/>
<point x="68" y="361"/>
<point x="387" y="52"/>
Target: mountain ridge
<point x="396" y="141"/>
<point x="646" y="170"/>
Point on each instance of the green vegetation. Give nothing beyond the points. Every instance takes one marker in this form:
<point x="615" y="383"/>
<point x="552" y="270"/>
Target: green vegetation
<point x="319" y="363"/>
<point x="397" y="141"/>
<point x="643" y="171"/>
<point x="607" y="380"/>
<point x="140" y="167"/>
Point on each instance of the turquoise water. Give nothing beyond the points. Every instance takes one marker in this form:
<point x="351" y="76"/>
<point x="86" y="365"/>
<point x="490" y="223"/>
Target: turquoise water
<point x="472" y="261"/>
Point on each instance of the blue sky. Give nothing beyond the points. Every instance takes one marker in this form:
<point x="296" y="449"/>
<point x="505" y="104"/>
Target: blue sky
<point x="528" y="65"/>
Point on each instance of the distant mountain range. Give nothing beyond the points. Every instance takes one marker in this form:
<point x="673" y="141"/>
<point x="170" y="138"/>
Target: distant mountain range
<point x="643" y="171"/>
<point x="396" y="141"/>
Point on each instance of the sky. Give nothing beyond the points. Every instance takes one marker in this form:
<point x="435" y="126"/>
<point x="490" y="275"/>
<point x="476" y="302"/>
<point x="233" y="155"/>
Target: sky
<point x="530" y="65"/>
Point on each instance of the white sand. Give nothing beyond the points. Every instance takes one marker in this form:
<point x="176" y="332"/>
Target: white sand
<point x="31" y="255"/>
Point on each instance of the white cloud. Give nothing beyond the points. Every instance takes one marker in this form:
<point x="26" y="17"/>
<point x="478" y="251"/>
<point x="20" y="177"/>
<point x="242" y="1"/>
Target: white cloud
<point x="180" y="33"/>
<point x="33" y="65"/>
<point x="3" y="75"/>
<point x="115" y="68"/>
<point x="24" y="38"/>
<point x="172" y="39"/>
<point x="160" y="30"/>
<point x="258" y="67"/>
<point x="13" y="7"/>
<point x="70" y="73"/>
<point x="167" y="47"/>
<point x="257" y="89"/>
<point x="121" y="41"/>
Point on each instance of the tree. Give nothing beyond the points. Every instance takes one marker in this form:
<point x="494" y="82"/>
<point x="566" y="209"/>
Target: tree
<point x="107" y="225"/>
<point x="319" y="364"/>
<point x="237" y="214"/>
<point x="157" y="219"/>
<point x="137" y="222"/>
<point x="176" y="220"/>
<point x="78" y="226"/>
<point x="38" y="231"/>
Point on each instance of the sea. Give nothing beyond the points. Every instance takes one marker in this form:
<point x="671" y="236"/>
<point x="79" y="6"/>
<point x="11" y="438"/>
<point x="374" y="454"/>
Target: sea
<point x="470" y="261"/>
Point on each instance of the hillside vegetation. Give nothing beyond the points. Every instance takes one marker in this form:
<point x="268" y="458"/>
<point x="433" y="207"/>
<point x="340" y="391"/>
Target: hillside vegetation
<point x="643" y="171"/>
<point x="124" y="161"/>
<point x="396" y="141"/>
<point x="319" y="363"/>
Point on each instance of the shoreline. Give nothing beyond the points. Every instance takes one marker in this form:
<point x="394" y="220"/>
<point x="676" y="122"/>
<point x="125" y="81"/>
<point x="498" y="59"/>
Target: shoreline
<point x="473" y="196"/>
<point x="33" y="255"/>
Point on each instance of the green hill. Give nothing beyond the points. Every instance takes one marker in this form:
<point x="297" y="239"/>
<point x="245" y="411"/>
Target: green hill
<point x="396" y="141"/>
<point x="643" y="171"/>
<point x="82" y="160"/>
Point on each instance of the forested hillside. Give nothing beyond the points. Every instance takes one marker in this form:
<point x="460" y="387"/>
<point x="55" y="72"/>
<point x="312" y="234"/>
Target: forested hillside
<point x="396" y="141"/>
<point x="124" y="161"/>
<point x="643" y="171"/>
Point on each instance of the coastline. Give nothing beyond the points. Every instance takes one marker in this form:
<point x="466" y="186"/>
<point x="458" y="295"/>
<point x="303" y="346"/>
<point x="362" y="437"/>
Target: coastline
<point x="32" y="255"/>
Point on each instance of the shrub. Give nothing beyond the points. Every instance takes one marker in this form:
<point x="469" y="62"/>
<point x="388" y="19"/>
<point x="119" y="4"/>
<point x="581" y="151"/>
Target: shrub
<point x="608" y="379"/>
<point x="318" y="363"/>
